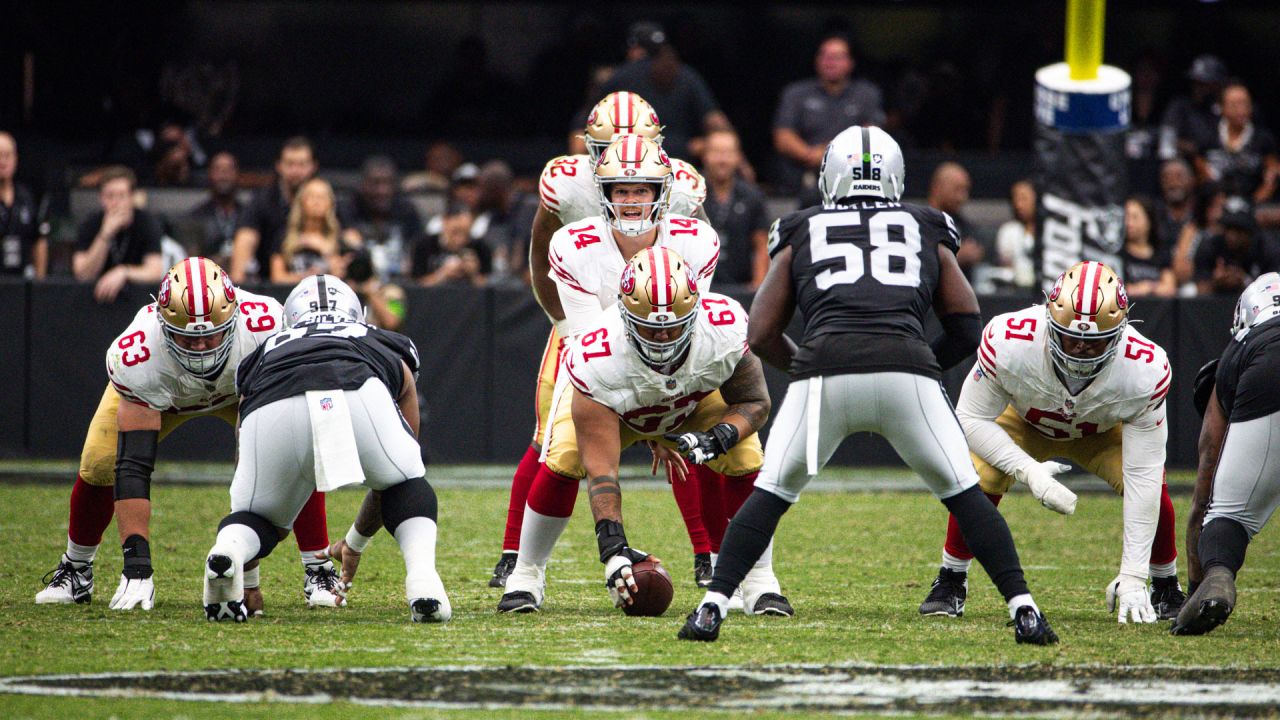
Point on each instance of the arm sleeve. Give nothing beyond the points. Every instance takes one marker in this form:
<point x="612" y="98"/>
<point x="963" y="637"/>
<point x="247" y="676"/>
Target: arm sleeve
<point x="982" y="400"/>
<point x="1144" y="455"/>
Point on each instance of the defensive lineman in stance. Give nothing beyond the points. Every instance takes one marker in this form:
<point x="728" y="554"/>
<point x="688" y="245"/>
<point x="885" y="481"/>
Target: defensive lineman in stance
<point x="329" y="402"/>
<point x="864" y="269"/>
<point x="1239" y="455"/>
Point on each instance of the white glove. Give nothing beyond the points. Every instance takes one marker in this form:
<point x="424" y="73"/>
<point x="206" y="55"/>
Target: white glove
<point x="1135" y="604"/>
<point x="1051" y="493"/>
<point x="134" y="593"/>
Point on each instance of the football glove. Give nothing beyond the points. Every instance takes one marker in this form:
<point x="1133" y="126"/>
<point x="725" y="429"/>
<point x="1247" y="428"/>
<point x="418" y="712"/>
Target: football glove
<point x="1130" y="595"/>
<point x="703" y="447"/>
<point x="617" y="575"/>
<point x="133" y="593"/>
<point x="1051" y="493"/>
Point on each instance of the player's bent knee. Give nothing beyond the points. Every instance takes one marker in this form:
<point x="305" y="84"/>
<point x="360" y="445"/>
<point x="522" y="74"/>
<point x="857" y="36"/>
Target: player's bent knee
<point x="268" y="534"/>
<point x="411" y="498"/>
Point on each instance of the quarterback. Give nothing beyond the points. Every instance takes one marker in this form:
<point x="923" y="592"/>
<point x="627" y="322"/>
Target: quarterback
<point x="174" y="362"/>
<point x="666" y="364"/>
<point x="1073" y="379"/>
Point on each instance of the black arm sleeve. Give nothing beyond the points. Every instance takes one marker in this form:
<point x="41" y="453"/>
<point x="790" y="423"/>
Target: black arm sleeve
<point x="961" y="333"/>
<point x="135" y="459"/>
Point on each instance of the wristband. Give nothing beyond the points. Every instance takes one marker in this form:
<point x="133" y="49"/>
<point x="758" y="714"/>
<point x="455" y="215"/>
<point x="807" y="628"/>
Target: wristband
<point x="610" y="538"/>
<point x="251" y="580"/>
<point x="356" y="541"/>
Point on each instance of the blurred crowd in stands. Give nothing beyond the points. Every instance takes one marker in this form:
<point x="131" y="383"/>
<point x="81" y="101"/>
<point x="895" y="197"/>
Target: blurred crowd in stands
<point x="466" y="220"/>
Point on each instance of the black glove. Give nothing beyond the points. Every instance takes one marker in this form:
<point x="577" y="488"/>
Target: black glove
<point x="703" y="447"/>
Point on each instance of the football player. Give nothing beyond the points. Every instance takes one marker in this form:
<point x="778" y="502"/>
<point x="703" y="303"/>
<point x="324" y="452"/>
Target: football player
<point x="569" y="194"/>
<point x="329" y="402"/>
<point x="864" y="269"/>
<point x="1073" y="379"/>
<point x="1238" y="476"/>
<point x="174" y="362"/>
<point x="666" y="364"/>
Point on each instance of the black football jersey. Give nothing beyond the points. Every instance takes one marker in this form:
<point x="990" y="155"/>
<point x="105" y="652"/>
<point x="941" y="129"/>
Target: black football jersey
<point x="1247" y="372"/>
<point x="323" y="356"/>
<point x="864" y="277"/>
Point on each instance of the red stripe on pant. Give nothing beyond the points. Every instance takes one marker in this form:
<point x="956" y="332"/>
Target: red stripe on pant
<point x="521" y="482"/>
<point x="311" y="527"/>
<point x="91" y="509"/>
<point x="552" y="494"/>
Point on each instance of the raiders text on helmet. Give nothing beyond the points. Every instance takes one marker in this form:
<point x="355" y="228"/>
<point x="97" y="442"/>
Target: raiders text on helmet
<point x="619" y="113"/>
<point x="1258" y="303"/>
<point x="1088" y="302"/>
<point x="861" y="162"/>
<point x="322" y="298"/>
<point x="634" y="159"/>
<point x="657" y="292"/>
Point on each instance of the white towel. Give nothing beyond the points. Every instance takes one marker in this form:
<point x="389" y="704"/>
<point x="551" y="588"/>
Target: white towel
<point x="333" y="441"/>
<point x="812" y="427"/>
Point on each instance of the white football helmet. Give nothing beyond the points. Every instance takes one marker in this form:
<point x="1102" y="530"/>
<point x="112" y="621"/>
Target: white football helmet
<point x="198" y="300"/>
<point x="861" y="162"/>
<point x="322" y="298"/>
<point x="1258" y="303"/>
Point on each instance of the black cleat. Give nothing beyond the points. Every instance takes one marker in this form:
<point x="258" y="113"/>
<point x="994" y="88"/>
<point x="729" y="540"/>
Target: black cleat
<point x="948" y="594"/>
<point x="702" y="569"/>
<point x="1210" y="605"/>
<point x="702" y="624"/>
<point x="1029" y="626"/>
<point x="773" y="604"/>
<point x="1167" y="597"/>
<point x="505" y="565"/>
<point x="518" y="602"/>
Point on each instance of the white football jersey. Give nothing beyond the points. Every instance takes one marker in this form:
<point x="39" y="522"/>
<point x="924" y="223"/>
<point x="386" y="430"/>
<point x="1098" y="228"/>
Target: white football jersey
<point x="568" y="188"/>
<point x="603" y="365"/>
<point x="143" y="370"/>
<point x="586" y="263"/>
<point x="1014" y="358"/>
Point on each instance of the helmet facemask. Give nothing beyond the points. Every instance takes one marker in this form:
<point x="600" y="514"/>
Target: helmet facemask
<point x="658" y="293"/>
<point x="202" y="363"/>
<point x="651" y="213"/>
<point x="1078" y="368"/>
<point x="197" y="300"/>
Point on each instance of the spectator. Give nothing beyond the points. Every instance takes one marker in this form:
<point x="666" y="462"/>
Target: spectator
<point x="1142" y="139"/>
<point x="380" y="218"/>
<point x="171" y="157"/>
<point x="452" y="256"/>
<point x="1205" y="216"/>
<point x="441" y="160"/>
<point x="119" y="243"/>
<point x="311" y="244"/>
<point x="24" y="235"/>
<point x="1230" y="260"/>
<point x="505" y="220"/>
<point x="1240" y="155"/>
<point x="736" y="210"/>
<point x="1176" y="205"/>
<point x="813" y="111"/>
<point x="214" y="221"/>
<point x="1146" y="255"/>
<point x="1193" y="116"/>
<point x="464" y="186"/>
<point x="1016" y="239"/>
<point x="675" y="90"/>
<point x="262" y="224"/>
<point x="949" y="192"/>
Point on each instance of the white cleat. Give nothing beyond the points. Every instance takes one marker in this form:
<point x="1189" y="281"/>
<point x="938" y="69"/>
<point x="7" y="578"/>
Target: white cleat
<point x="323" y="587"/>
<point x="428" y="602"/>
<point x="224" y="589"/>
<point x="68" y="583"/>
<point x="134" y="593"/>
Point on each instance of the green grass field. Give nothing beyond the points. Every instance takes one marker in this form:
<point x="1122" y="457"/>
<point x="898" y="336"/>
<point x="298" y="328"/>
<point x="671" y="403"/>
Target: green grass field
<point x="855" y="565"/>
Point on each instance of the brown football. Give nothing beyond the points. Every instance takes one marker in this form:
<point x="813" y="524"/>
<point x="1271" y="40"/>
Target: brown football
<point x="655" y="593"/>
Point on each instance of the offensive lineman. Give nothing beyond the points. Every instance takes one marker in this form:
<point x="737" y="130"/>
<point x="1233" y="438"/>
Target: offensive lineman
<point x="864" y="269"/>
<point x="666" y="364"/>
<point x="329" y="402"/>
<point x="174" y="362"/>
<point x="1238" y="472"/>
<point x="1072" y="378"/>
<point x="569" y="194"/>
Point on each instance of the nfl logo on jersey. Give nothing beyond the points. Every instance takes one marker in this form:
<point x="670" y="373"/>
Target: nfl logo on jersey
<point x="326" y="403"/>
<point x="977" y="372"/>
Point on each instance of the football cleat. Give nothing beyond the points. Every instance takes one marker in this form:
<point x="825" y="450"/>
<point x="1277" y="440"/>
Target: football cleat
<point x="1030" y="626"/>
<point x="772" y="604"/>
<point x="702" y="624"/>
<point x="702" y="569"/>
<point x="430" y="610"/>
<point x="224" y="589"/>
<point x="948" y="594"/>
<point x="68" y="583"/>
<point x="1210" y="605"/>
<point x="503" y="569"/>
<point x="323" y="587"/>
<point x="518" y="601"/>
<point x="1167" y="597"/>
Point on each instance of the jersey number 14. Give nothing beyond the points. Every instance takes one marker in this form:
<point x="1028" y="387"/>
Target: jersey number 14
<point x="883" y="248"/>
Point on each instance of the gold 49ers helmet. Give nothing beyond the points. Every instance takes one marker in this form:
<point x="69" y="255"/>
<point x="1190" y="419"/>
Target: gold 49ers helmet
<point x="634" y="159"/>
<point x="1087" y="303"/>
<point x="619" y="113"/>
<point x="658" y="297"/>
<point x="197" y="300"/>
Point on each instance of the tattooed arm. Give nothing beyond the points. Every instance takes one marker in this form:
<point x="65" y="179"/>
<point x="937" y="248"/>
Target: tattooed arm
<point x="747" y="396"/>
<point x="599" y="445"/>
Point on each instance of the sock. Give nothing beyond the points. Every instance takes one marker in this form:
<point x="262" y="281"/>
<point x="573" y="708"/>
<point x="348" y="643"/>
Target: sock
<point x="748" y="536"/>
<point x="311" y="528"/>
<point x="955" y="544"/>
<point x="539" y="535"/>
<point x="238" y="541"/>
<point x="986" y="532"/>
<point x="91" y="509"/>
<point x="1018" y="601"/>
<point x="951" y="562"/>
<point x="551" y="500"/>
<point x="137" y="557"/>
<point x="80" y="554"/>
<point x="1223" y="541"/>
<point x="721" y="601"/>
<point x="1164" y="550"/>
<point x="689" y="500"/>
<point x="521" y="482"/>
<point x="417" y="539"/>
<point x="1164" y="570"/>
<point x="714" y="516"/>
<point x="309" y="559"/>
<point x="252" y="578"/>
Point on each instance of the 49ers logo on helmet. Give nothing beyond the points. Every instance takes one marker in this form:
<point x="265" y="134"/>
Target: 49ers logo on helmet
<point x="228" y="288"/>
<point x="1056" y="292"/>
<point x="1122" y="297"/>
<point x="693" y="281"/>
<point x="662" y="157"/>
<point x="163" y="299"/>
<point x="628" y="285"/>
<point x="591" y="119"/>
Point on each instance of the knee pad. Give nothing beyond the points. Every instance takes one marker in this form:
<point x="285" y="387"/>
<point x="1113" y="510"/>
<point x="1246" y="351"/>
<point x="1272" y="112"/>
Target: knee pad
<point x="135" y="459"/>
<point x="268" y="537"/>
<point x="411" y="498"/>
